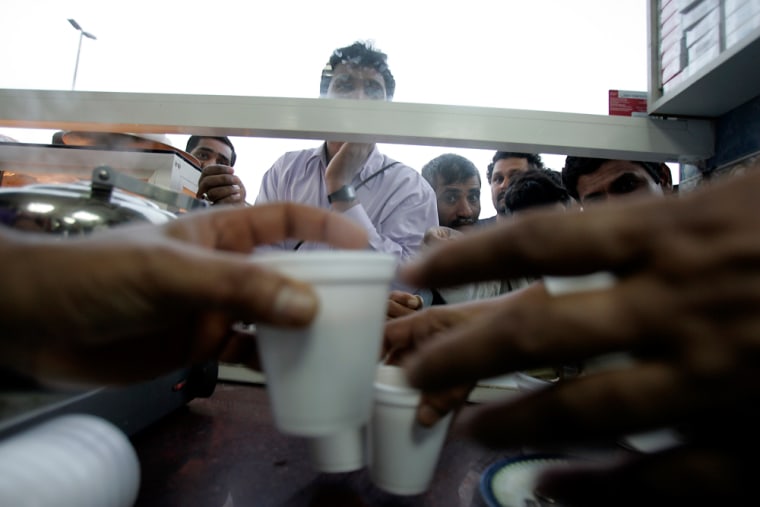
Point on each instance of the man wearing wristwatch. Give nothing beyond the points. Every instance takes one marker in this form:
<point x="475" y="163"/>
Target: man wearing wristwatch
<point x="389" y="199"/>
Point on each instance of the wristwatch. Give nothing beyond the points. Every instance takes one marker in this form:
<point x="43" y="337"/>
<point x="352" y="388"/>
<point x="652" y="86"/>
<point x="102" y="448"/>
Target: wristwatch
<point x="346" y="193"/>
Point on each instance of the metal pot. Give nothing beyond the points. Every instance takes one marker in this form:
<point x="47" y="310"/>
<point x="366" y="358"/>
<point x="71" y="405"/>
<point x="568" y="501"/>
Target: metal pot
<point x="80" y="208"/>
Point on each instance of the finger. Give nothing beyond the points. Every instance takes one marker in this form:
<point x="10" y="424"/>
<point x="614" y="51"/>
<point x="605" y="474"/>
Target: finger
<point x="241" y="229"/>
<point x="416" y="327"/>
<point x="235" y="198"/>
<point x="612" y="236"/>
<point x="219" y="187"/>
<point x="396" y="310"/>
<point x="243" y="290"/>
<point x="686" y="476"/>
<point x="599" y="407"/>
<point x="516" y="334"/>
<point x="435" y="406"/>
<point x="406" y="299"/>
<point x="216" y="169"/>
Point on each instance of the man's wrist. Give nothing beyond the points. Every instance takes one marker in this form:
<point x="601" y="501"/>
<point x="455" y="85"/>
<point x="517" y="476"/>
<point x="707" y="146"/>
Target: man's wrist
<point x="346" y="193"/>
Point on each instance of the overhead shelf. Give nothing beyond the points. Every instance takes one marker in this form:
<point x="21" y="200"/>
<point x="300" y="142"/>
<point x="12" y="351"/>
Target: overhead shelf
<point x="633" y="138"/>
<point x="723" y="84"/>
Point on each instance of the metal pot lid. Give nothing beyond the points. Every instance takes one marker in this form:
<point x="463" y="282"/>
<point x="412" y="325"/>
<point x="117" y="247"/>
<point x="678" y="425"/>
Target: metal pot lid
<point x="73" y="209"/>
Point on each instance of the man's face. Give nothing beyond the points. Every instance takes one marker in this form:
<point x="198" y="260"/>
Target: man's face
<point x="458" y="203"/>
<point x="502" y="170"/>
<point x="212" y="152"/>
<point x="352" y="82"/>
<point x="616" y="178"/>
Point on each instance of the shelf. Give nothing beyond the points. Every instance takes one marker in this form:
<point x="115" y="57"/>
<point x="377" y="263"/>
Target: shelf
<point x="517" y="130"/>
<point x="722" y="85"/>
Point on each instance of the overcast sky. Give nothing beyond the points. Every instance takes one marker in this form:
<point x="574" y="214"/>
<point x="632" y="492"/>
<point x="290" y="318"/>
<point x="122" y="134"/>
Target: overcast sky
<point x="551" y="55"/>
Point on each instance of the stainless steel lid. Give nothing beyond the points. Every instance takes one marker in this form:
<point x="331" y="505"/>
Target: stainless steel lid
<point x="73" y="209"/>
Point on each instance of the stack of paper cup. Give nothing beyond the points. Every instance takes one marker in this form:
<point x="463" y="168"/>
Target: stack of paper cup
<point x="402" y="454"/>
<point x="319" y="378"/>
<point x="70" y="461"/>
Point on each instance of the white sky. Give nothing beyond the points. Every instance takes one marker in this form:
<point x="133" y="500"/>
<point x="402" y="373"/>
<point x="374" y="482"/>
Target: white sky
<point x="551" y="55"/>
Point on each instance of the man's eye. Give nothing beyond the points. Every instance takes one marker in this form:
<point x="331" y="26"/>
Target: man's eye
<point x="202" y="156"/>
<point x="343" y="84"/>
<point x="373" y="90"/>
<point x="473" y="199"/>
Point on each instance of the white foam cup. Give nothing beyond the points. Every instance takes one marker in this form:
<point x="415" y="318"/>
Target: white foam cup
<point x="71" y="461"/>
<point x="402" y="454"/>
<point x="342" y="452"/>
<point x="319" y="378"/>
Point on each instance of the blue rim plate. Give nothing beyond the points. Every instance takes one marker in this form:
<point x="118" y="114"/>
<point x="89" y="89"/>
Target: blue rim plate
<point x="490" y="473"/>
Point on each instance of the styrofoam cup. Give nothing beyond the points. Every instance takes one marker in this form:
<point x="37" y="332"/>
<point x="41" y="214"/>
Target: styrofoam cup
<point x="319" y="378"/>
<point x="402" y="454"/>
<point x="71" y="461"/>
<point x="342" y="452"/>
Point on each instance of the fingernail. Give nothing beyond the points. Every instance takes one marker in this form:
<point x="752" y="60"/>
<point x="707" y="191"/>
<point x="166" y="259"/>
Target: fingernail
<point x="294" y="306"/>
<point x="415" y="302"/>
<point x="427" y="415"/>
<point x="236" y="188"/>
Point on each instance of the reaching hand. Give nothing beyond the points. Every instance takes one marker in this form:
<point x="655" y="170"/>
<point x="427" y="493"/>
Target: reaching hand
<point x="137" y="301"/>
<point x="403" y="336"/>
<point x="685" y="305"/>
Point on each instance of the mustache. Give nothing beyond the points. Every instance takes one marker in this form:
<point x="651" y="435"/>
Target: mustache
<point x="459" y="222"/>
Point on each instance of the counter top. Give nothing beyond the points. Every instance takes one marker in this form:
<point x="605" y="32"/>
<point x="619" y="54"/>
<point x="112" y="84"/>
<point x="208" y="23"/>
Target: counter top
<point x="225" y="451"/>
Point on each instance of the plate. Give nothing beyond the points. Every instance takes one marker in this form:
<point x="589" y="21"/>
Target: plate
<point x="511" y="482"/>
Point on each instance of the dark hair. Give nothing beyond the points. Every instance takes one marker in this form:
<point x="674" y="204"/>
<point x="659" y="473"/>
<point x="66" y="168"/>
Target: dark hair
<point x="575" y="167"/>
<point x="534" y="160"/>
<point x="535" y="187"/>
<point x="449" y="168"/>
<point x="361" y="54"/>
<point x="194" y="140"/>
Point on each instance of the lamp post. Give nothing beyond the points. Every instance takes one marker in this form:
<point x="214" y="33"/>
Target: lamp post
<point x="82" y="33"/>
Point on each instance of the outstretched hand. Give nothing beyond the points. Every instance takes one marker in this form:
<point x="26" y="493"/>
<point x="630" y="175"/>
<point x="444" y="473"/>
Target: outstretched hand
<point x="685" y="306"/>
<point x="137" y="301"/>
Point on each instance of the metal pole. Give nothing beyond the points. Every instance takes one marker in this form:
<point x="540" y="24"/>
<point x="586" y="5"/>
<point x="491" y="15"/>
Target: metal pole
<point x="76" y="65"/>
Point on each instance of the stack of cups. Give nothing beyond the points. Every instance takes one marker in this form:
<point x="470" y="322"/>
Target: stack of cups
<point x="69" y="461"/>
<point x="320" y="378"/>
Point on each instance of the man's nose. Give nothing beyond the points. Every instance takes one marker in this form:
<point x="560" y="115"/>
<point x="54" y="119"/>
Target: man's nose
<point x="464" y="208"/>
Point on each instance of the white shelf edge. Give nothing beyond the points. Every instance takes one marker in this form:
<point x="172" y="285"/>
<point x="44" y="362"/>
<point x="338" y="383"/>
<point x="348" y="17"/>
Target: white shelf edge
<point x="384" y="122"/>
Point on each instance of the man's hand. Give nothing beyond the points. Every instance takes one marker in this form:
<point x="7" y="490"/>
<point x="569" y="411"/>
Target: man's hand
<point x="346" y="164"/>
<point x="137" y="301"/>
<point x="403" y="336"/>
<point x="219" y="185"/>
<point x="685" y="306"/>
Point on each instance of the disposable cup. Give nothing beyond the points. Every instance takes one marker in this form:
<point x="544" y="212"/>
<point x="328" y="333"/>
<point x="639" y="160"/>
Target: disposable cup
<point x="72" y="460"/>
<point x="319" y="378"/>
<point x="342" y="452"/>
<point x="402" y="454"/>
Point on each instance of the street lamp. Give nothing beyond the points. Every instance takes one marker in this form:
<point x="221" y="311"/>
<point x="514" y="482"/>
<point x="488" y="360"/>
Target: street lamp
<point x="82" y="33"/>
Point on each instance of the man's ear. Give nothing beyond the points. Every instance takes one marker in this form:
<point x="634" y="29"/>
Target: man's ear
<point x="666" y="178"/>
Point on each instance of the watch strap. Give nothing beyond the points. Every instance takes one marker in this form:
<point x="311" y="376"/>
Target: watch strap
<point x="346" y="193"/>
